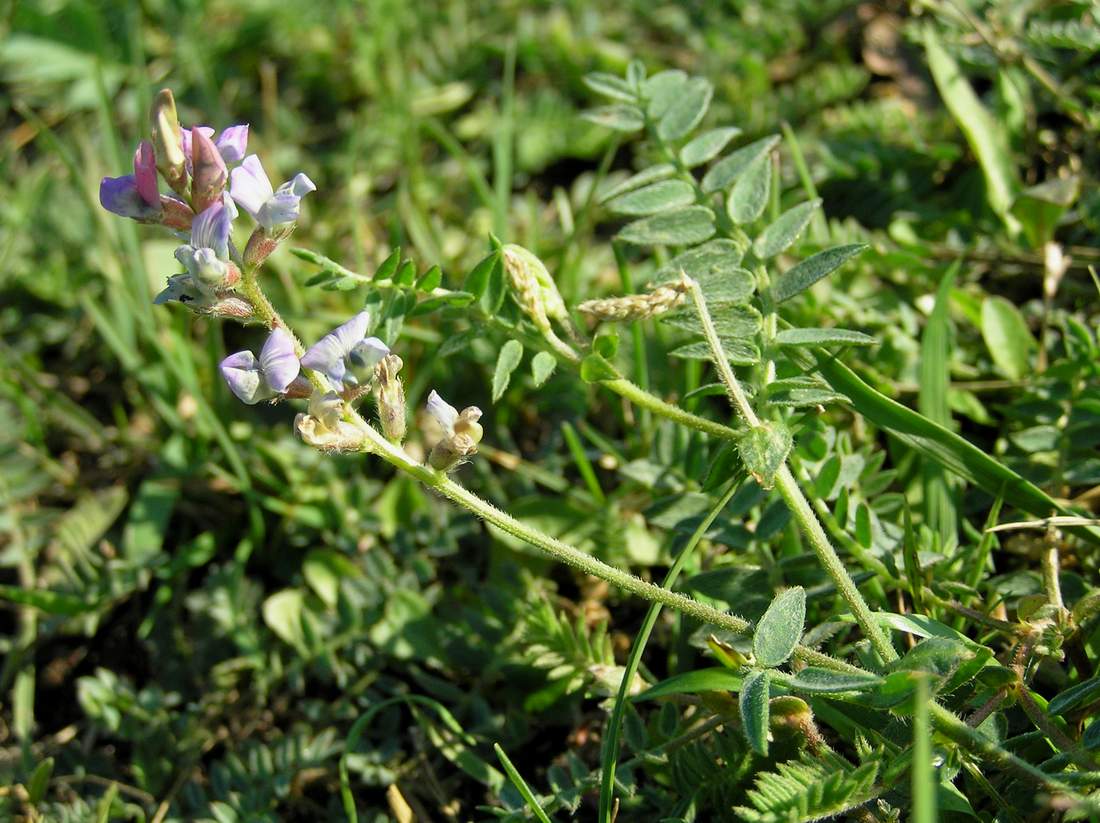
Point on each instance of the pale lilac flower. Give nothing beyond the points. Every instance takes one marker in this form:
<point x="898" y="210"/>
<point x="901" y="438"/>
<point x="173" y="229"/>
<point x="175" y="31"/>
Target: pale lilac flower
<point x="252" y="379"/>
<point x="206" y="258"/>
<point x="346" y="355"/>
<point x="134" y="195"/>
<point x="242" y="373"/>
<point x="444" y="413"/>
<point x="278" y="360"/>
<point x="271" y="208"/>
<point x="461" y="433"/>
<point x="231" y="143"/>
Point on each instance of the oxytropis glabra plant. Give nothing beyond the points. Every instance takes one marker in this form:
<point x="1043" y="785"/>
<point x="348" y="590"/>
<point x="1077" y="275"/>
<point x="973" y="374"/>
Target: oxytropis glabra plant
<point x="720" y="287"/>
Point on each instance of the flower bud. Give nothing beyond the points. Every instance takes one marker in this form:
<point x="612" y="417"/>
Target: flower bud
<point x="233" y="308"/>
<point x="209" y="171"/>
<point x="534" y="288"/>
<point x="175" y="214"/>
<point x="391" y="398"/>
<point x="260" y="246"/>
<point x="168" y="142"/>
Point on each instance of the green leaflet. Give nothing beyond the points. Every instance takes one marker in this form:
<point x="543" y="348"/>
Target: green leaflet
<point x="805" y="273"/>
<point x="683" y="227"/>
<point x="510" y="355"/>
<point x="780" y="629"/>
<point x="780" y="234"/>
<point x="707" y="146"/>
<point x="753" y="702"/>
<point x="656" y="197"/>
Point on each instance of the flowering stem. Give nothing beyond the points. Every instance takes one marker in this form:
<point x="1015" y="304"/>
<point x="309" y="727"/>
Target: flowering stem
<point x="791" y="493"/>
<point x="375" y="443"/>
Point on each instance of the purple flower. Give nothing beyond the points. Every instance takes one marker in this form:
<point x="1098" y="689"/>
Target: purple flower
<point x="346" y="355"/>
<point x="271" y="208"/>
<point x="206" y="258"/>
<point x="254" y="380"/>
<point x="231" y="143"/>
<point x="278" y="360"/>
<point x="134" y="195"/>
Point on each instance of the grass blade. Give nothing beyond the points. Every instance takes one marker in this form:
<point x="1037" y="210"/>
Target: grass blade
<point x="521" y="785"/>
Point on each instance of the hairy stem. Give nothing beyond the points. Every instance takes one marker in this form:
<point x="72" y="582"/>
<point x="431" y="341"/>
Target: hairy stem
<point x="792" y="495"/>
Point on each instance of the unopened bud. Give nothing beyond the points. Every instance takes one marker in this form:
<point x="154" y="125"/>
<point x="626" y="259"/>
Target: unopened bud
<point x="534" y="288"/>
<point x="175" y="214"/>
<point x="391" y="398"/>
<point x="209" y="173"/>
<point x="168" y="142"/>
<point x="229" y="308"/>
<point x="260" y="245"/>
<point x="635" y="306"/>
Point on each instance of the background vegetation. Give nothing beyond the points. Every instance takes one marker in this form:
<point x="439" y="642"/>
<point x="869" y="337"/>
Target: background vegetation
<point x="198" y="607"/>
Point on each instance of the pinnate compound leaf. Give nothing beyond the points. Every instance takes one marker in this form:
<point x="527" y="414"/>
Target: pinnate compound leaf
<point x="510" y="355"/>
<point x="782" y="233"/>
<point x="683" y="227"/>
<point x="804" y="274"/>
<point x="779" y="629"/>
<point x="753" y="702"/>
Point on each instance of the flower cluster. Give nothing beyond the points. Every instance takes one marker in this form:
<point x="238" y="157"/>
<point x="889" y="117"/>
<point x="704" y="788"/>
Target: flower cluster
<point x="210" y="176"/>
<point x="202" y="203"/>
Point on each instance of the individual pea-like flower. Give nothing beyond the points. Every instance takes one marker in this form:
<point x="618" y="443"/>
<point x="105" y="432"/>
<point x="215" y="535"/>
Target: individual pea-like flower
<point x="461" y="433"/>
<point x="324" y="427"/>
<point x="134" y="195"/>
<point x="252" y="379"/>
<point x="274" y="209"/>
<point x="346" y="356"/>
<point x="206" y="257"/>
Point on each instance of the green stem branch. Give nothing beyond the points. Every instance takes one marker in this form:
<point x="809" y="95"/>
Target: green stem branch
<point x="791" y="493"/>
